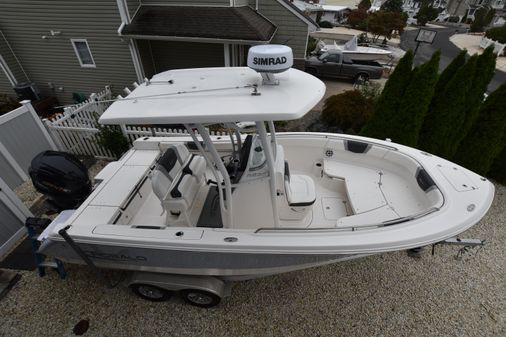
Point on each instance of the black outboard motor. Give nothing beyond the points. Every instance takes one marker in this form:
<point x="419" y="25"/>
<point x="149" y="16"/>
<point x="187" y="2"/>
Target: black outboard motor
<point x="61" y="177"/>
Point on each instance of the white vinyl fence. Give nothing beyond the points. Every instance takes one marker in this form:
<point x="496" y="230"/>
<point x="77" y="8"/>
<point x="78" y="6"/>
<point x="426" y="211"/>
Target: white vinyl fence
<point x="13" y="215"/>
<point x="22" y="137"/>
<point x="498" y="47"/>
<point x="76" y="130"/>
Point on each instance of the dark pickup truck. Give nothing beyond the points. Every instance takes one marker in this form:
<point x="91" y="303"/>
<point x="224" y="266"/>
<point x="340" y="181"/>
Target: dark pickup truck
<point x="334" y="64"/>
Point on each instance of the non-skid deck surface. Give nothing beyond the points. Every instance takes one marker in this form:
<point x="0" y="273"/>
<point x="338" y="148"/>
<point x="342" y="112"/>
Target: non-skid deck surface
<point x="211" y="213"/>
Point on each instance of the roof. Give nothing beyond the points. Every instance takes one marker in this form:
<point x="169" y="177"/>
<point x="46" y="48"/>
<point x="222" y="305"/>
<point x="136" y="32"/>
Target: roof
<point x="216" y="95"/>
<point x="200" y="22"/>
<point x="346" y="3"/>
<point x="331" y="8"/>
<point x="300" y="14"/>
<point x="303" y="6"/>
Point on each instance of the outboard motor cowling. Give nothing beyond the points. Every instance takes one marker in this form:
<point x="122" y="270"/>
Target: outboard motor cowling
<point x="61" y="177"/>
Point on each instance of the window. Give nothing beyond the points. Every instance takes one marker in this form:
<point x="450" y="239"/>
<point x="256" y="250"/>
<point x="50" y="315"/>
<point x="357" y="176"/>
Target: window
<point x="83" y="53"/>
<point x="333" y="58"/>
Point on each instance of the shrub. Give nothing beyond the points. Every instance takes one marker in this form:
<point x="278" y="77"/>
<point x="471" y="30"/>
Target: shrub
<point x="392" y="6"/>
<point x="482" y="18"/>
<point x="364" y="4"/>
<point x="372" y="90"/>
<point x="486" y="139"/>
<point x="8" y="103"/>
<point x="311" y="44"/>
<point x="112" y="139"/>
<point x="349" y="110"/>
<point x="497" y="34"/>
<point x="362" y="38"/>
<point x="325" y="24"/>
<point x="454" y="19"/>
<point x="426" y="13"/>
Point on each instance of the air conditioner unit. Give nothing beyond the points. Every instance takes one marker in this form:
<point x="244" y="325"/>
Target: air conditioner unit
<point x="27" y="90"/>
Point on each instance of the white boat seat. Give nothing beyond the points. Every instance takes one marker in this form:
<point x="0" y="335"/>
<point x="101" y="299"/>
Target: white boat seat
<point x="177" y="179"/>
<point x="192" y="164"/>
<point x="300" y="190"/>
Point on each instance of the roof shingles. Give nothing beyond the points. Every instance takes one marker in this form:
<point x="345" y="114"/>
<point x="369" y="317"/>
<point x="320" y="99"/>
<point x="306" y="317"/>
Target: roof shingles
<point x="227" y="23"/>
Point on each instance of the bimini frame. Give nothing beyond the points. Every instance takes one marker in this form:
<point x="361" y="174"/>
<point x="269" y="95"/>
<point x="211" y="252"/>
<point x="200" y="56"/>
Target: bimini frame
<point x="220" y="172"/>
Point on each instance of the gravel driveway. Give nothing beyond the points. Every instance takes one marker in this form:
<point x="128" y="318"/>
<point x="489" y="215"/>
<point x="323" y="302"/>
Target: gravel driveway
<point x="384" y="295"/>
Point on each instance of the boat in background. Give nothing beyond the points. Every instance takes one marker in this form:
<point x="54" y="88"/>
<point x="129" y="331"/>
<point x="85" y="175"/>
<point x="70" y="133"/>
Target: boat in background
<point x="356" y="52"/>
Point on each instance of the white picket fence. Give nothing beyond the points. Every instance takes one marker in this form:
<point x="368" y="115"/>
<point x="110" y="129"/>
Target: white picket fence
<point x="76" y="130"/>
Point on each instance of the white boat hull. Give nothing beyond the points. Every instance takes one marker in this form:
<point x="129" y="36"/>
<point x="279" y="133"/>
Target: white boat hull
<point x="260" y="248"/>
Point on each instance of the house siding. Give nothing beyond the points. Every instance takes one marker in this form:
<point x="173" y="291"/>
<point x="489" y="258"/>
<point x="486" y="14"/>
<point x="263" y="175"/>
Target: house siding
<point x="239" y="3"/>
<point x="24" y="22"/>
<point x="10" y="59"/>
<point x="178" y="55"/>
<point x="187" y="3"/>
<point x="292" y="31"/>
<point x="5" y="85"/>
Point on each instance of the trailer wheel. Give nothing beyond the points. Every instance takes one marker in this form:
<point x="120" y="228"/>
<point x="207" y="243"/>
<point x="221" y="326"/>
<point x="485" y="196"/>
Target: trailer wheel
<point x="362" y="77"/>
<point x="200" y="298"/>
<point x="151" y="293"/>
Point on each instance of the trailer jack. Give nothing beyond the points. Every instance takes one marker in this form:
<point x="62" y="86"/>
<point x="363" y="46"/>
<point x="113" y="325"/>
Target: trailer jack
<point x="467" y="245"/>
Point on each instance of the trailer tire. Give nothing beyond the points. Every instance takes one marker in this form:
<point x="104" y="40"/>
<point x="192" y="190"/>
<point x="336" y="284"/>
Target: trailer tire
<point x="151" y="293"/>
<point x="362" y="77"/>
<point x="200" y="298"/>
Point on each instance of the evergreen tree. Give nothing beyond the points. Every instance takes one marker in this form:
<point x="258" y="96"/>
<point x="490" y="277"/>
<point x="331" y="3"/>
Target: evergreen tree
<point x="498" y="169"/>
<point x="485" y="70"/>
<point x="426" y="13"/>
<point x="414" y="103"/>
<point x="443" y="122"/>
<point x="487" y="138"/>
<point x="388" y="102"/>
<point x="450" y="71"/>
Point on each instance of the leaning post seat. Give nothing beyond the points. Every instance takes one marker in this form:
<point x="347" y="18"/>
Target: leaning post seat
<point x="176" y="180"/>
<point x="299" y="190"/>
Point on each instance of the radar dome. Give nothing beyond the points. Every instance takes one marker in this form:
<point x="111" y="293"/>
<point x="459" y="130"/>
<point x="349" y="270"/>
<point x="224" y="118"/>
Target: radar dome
<point x="270" y="58"/>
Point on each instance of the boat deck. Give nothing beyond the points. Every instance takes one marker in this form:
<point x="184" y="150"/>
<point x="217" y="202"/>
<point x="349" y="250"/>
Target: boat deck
<point x="353" y="189"/>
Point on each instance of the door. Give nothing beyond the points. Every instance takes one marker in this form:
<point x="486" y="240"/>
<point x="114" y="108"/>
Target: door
<point x="330" y="65"/>
<point x="348" y="69"/>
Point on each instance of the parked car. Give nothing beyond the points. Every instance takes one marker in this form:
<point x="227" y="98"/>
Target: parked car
<point x="334" y="64"/>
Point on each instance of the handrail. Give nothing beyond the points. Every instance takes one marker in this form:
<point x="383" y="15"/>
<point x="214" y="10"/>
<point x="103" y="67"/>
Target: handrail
<point x="382" y="224"/>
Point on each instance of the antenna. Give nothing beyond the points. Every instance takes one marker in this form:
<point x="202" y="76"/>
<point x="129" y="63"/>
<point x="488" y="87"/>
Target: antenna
<point x="268" y="59"/>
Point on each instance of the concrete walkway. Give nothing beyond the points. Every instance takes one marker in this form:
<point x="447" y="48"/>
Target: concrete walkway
<point x="472" y="44"/>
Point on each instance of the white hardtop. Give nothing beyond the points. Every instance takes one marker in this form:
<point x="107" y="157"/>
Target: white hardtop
<point x="216" y="95"/>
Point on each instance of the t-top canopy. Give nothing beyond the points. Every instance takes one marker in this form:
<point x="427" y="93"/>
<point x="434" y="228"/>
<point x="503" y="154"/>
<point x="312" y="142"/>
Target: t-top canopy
<point x="216" y="95"/>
